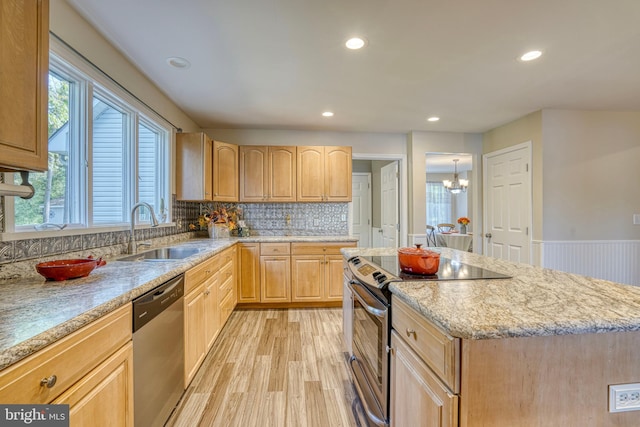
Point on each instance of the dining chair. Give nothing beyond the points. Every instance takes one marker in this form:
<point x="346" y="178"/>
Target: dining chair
<point x="445" y="226"/>
<point x="431" y="235"/>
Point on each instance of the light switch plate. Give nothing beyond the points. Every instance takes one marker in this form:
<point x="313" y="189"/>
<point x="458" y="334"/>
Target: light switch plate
<point x="636" y="219"/>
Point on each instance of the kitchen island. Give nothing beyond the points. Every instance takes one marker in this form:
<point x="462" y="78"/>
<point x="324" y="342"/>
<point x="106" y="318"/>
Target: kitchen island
<point x="538" y="349"/>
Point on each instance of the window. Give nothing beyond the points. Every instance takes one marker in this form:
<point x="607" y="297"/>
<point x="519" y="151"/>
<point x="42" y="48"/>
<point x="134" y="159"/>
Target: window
<point x="439" y="208"/>
<point x="107" y="151"/>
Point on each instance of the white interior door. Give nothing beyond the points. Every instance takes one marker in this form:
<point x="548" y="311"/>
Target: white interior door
<point x="507" y="201"/>
<point x="389" y="205"/>
<point x="361" y="208"/>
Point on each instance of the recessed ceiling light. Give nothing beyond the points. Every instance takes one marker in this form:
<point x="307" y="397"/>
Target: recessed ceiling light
<point x="355" y="43"/>
<point x="177" y="62"/>
<point x="327" y="114"/>
<point x="530" y="56"/>
<point x="433" y="119"/>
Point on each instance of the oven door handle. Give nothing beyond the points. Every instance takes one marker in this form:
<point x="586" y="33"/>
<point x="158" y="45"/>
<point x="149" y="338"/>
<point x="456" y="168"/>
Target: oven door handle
<point x="372" y="305"/>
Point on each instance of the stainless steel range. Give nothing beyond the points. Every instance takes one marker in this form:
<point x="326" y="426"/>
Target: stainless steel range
<point x="369" y="278"/>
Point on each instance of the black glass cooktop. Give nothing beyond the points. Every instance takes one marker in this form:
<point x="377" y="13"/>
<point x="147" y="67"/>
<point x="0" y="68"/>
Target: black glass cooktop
<point x="448" y="270"/>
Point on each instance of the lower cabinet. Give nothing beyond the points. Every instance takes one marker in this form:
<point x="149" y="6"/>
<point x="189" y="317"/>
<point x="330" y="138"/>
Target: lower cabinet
<point x="290" y="272"/>
<point x="90" y="369"/>
<point x="104" y="397"/>
<point x="316" y="271"/>
<point x="249" y="272"/>
<point x="418" y="398"/>
<point x="210" y="297"/>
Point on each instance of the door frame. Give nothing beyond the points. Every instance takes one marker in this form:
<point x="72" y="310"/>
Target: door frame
<point x="528" y="145"/>
<point x="368" y="175"/>
<point x="403" y="195"/>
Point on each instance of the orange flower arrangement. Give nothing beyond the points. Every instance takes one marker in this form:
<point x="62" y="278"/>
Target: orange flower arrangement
<point x="464" y="220"/>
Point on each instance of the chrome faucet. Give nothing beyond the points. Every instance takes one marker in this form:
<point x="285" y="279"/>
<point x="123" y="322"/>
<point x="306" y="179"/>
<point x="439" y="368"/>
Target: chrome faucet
<point x="133" y="247"/>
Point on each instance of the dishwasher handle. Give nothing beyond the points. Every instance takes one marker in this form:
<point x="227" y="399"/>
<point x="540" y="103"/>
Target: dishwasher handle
<point x="154" y="302"/>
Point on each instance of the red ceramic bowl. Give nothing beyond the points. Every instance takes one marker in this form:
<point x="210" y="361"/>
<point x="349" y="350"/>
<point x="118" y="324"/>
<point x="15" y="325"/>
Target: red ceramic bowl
<point x="418" y="261"/>
<point x="68" y="268"/>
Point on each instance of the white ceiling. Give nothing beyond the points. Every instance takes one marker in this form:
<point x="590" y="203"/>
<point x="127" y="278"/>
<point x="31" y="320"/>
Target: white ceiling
<point x="278" y="64"/>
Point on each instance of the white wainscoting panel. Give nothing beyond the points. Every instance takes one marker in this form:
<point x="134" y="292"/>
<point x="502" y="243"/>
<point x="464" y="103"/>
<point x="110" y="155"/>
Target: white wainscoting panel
<point x="615" y="260"/>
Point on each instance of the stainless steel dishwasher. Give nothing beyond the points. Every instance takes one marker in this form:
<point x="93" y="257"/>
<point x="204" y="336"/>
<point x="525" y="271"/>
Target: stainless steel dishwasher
<point x="158" y="352"/>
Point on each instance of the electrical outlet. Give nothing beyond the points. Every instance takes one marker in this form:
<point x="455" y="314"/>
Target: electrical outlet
<point x="624" y="397"/>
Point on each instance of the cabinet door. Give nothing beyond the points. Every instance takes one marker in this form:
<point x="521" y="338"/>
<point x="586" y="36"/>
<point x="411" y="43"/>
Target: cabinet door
<point x="337" y="174"/>
<point x="249" y="283"/>
<point x="225" y="172"/>
<point x="307" y="277"/>
<point x="333" y="278"/>
<point x="24" y="54"/>
<point x="211" y="311"/>
<point x="310" y="174"/>
<point x="194" y="166"/>
<point x="104" y="397"/>
<point x="254" y="174"/>
<point x="194" y="335"/>
<point x="282" y="174"/>
<point x="418" y="398"/>
<point x="275" y="278"/>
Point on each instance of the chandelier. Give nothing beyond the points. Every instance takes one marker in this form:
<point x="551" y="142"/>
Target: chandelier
<point x="457" y="185"/>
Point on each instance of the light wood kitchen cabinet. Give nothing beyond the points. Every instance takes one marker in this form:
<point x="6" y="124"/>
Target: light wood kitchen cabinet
<point x="194" y="166"/>
<point x="85" y="369"/>
<point x="502" y="382"/>
<point x="201" y="315"/>
<point x="227" y="296"/>
<point x="275" y="272"/>
<point x="249" y="277"/>
<point x="24" y="48"/>
<point x="324" y="174"/>
<point x="316" y="271"/>
<point x="418" y="398"/>
<point x="267" y="174"/>
<point x="225" y="172"/>
<point x="103" y="398"/>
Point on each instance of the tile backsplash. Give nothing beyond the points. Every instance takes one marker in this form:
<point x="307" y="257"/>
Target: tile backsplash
<point x="263" y="219"/>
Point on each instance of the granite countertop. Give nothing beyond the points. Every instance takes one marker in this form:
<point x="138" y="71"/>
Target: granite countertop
<point x="534" y="302"/>
<point x="35" y="312"/>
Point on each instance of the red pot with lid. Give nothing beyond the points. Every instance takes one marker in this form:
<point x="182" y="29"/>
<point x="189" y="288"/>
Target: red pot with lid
<point x="418" y="261"/>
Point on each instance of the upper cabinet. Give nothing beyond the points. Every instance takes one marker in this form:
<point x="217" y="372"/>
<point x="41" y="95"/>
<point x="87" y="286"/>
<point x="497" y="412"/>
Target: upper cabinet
<point x="194" y="166"/>
<point x="324" y="174"/>
<point x="24" y="54"/>
<point x="267" y="174"/>
<point x="225" y="172"/>
<point x="206" y="169"/>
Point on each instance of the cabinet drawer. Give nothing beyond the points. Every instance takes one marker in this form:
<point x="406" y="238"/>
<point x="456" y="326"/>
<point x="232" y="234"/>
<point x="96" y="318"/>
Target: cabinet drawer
<point x="69" y="359"/>
<point x="226" y="257"/>
<point x="439" y="351"/>
<point x="225" y="288"/>
<point x="199" y="274"/>
<point x="321" y="248"/>
<point x="274" y="249"/>
<point x="226" y="273"/>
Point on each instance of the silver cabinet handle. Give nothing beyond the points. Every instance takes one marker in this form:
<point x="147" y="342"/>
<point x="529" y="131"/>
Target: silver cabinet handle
<point x="49" y="382"/>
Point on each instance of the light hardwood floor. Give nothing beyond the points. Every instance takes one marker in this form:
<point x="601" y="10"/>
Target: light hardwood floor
<point x="273" y="368"/>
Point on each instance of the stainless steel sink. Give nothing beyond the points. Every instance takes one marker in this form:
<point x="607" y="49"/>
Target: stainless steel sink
<point x="161" y="254"/>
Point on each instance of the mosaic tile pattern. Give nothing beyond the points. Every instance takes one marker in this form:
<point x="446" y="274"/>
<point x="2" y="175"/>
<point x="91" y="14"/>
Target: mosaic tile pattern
<point x="263" y="219"/>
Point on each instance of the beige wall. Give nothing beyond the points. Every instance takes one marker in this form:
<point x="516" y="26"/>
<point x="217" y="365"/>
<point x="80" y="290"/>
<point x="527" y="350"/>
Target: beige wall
<point x="591" y="175"/>
<point x="420" y="143"/>
<point x="67" y="24"/>
<point x="527" y="128"/>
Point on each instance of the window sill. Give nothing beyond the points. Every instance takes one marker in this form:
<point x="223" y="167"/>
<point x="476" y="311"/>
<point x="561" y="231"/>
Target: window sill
<point x="70" y="231"/>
